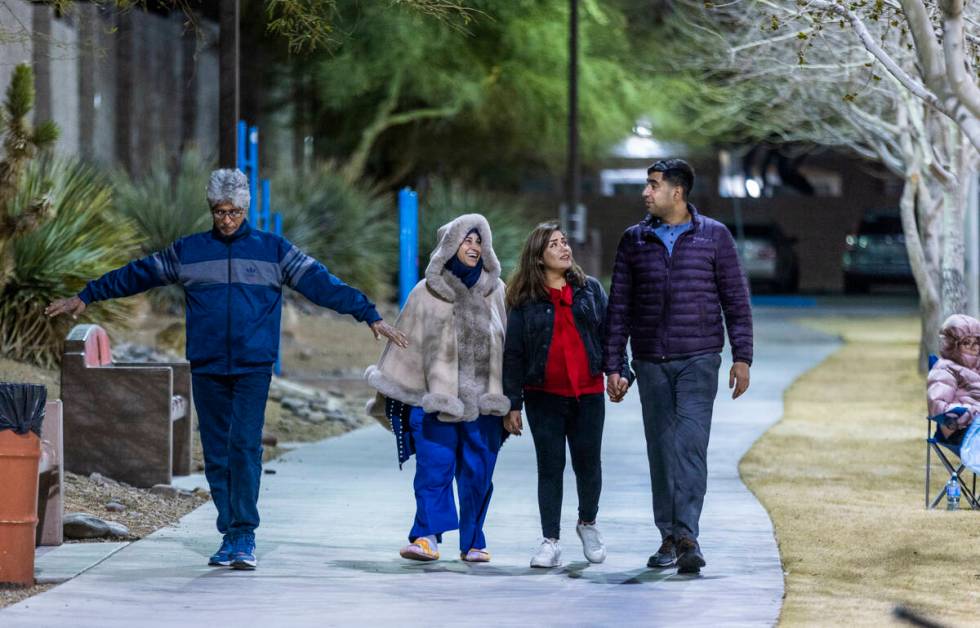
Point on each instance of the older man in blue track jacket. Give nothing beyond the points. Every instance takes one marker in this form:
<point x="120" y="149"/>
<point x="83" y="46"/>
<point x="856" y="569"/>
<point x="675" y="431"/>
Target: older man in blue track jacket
<point x="232" y="277"/>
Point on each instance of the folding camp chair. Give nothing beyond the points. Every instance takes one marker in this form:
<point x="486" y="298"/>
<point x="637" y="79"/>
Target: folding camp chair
<point x="936" y="442"/>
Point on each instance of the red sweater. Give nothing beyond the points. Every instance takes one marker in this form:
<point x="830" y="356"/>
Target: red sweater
<point x="567" y="371"/>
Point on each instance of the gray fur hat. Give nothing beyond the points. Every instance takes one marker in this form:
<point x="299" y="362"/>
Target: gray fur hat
<point x="229" y="185"/>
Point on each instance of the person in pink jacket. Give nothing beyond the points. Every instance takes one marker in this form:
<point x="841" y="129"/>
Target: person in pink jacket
<point x="954" y="381"/>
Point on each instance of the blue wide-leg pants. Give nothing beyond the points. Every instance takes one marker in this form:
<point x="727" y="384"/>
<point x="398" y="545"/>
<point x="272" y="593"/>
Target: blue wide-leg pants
<point x="466" y="451"/>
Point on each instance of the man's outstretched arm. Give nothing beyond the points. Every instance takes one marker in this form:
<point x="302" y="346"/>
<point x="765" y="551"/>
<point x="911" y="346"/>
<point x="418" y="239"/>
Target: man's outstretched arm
<point x="152" y="271"/>
<point x="312" y="279"/>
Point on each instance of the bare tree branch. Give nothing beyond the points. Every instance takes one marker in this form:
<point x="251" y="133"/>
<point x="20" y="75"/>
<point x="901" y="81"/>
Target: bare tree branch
<point x="961" y="84"/>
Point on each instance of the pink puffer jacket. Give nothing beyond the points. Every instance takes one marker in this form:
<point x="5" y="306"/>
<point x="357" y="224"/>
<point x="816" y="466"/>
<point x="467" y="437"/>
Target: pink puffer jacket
<point x="954" y="380"/>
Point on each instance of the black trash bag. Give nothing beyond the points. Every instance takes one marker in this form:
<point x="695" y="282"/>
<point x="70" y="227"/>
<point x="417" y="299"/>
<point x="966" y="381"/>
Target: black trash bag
<point x="22" y="407"/>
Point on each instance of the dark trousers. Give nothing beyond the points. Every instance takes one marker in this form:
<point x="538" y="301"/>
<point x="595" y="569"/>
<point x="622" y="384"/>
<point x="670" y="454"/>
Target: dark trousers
<point x="466" y="450"/>
<point x="553" y="421"/>
<point x="230" y="414"/>
<point x="678" y="398"/>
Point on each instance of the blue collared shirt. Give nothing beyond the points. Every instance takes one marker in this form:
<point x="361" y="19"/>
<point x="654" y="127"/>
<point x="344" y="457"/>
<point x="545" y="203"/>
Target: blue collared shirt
<point x="670" y="233"/>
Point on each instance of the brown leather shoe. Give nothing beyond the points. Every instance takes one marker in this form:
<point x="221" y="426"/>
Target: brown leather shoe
<point x="689" y="556"/>
<point x="665" y="556"/>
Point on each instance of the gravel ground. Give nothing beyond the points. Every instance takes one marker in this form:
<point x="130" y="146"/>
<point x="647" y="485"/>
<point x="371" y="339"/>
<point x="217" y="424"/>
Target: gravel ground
<point x="11" y="595"/>
<point x="145" y="512"/>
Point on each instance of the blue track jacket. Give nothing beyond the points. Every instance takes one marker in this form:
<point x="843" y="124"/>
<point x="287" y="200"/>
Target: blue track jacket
<point x="233" y="287"/>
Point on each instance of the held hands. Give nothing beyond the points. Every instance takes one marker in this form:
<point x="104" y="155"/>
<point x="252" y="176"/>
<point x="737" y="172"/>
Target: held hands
<point x="71" y="305"/>
<point x="616" y="387"/>
<point x="381" y="328"/>
<point x="738" y="379"/>
<point x="513" y="423"/>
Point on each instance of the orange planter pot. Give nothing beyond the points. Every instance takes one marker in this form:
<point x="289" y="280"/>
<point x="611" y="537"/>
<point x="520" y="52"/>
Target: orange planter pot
<point x="19" y="454"/>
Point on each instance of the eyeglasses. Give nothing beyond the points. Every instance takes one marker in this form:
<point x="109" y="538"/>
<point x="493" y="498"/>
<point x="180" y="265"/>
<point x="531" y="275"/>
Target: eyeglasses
<point x="972" y="341"/>
<point x="227" y="213"/>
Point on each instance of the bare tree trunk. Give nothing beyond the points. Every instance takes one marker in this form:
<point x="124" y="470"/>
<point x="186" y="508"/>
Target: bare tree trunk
<point x="124" y="89"/>
<point x="228" y="78"/>
<point x="188" y="89"/>
<point x="87" y="51"/>
<point x="915" y="207"/>
<point x="954" y="251"/>
<point x="921" y="271"/>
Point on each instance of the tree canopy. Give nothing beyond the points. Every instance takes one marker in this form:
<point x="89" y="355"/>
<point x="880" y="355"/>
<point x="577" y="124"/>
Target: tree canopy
<point x="397" y="91"/>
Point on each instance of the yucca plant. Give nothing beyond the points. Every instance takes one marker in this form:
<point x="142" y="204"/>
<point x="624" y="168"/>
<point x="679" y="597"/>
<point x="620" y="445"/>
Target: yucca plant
<point x="349" y="228"/>
<point x="21" y="144"/>
<point x="444" y="200"/>
<point x="81" y="242"/>
<point x="164" y="205"/>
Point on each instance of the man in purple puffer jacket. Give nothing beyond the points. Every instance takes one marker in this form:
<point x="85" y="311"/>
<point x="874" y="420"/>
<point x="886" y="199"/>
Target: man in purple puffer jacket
<point x="676" y="273"/>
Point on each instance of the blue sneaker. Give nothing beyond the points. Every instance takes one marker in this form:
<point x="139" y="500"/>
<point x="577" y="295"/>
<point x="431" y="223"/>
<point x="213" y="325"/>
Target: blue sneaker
<point x="243" y="552"/>
<point x="222" y="558"/>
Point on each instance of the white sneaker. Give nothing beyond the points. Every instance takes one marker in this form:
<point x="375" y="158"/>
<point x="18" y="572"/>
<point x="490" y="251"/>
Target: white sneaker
<point x="548" y="555"/>
<point x="592" y="546"/>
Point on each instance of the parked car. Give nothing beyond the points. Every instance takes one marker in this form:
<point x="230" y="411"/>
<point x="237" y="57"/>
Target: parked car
<point x="876" y="253"/>
<point x="768" y="257"/>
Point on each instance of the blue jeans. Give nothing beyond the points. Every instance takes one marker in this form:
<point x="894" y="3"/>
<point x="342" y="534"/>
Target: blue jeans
<point x="466" y="451"/>
<point x="678" y="398"/>
<point x="230" y="415"/>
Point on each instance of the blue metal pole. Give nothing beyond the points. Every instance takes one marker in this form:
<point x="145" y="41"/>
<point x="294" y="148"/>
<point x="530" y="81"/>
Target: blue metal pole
<point x="265" y="222"/>
<point x="408" y="218"/>
<point x="241" y="161"/>
<point x="253" y="176"/>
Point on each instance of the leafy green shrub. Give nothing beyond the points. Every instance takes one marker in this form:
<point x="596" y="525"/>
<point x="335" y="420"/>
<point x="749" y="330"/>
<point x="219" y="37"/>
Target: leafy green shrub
<point x="81" y="242"/>
<point x="444" y="201"/>
<point x="164" y="205"/>
<point x="349" y="228"/>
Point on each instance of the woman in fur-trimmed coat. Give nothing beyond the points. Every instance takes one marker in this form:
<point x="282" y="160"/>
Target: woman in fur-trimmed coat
<point x="443" y="394"/>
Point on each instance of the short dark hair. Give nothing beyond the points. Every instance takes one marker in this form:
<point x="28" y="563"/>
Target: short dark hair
<point x="677" y="172"/>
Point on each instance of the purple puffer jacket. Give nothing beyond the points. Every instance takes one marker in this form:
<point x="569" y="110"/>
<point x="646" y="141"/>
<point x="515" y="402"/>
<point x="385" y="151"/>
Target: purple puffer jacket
<point x="671" y="307"/>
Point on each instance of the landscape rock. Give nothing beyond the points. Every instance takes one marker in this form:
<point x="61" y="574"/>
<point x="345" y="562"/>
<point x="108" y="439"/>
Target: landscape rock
<point x="102" y="480"/>
<point x="293" y="403"/>
<point x="80" y="525"/>
<point x="115" y="507"/>
<point x="313" y="416"/>
<point x="117" y="529"/>
<point x="168" y="491"/>
<point x="130" y="352"/>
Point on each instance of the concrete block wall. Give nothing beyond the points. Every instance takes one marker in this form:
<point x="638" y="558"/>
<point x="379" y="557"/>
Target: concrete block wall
<point x="116" y="83"/>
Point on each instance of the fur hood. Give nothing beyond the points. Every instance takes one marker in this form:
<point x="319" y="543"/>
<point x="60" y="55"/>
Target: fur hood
<point x="954" y="329"/>
<point x="445" y="284"/>
<point x="456" y="335"/>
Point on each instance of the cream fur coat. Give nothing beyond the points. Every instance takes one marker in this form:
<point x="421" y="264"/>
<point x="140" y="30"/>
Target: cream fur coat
<point x="456" y="338"/>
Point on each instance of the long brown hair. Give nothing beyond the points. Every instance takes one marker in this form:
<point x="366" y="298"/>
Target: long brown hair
<point x="528" y="281"/>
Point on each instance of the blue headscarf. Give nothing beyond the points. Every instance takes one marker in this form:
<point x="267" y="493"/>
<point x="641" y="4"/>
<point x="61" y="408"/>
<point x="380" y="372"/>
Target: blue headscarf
<point x="469" y="276"/>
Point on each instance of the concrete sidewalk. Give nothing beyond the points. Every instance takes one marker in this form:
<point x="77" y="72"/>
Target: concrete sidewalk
<point x="336" y="512"/>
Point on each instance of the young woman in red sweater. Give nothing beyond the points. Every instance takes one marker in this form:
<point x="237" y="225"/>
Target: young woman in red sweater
<point x="553" y="368"/>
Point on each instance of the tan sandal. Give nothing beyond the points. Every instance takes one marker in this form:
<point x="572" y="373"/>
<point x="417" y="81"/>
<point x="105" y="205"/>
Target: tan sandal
<point x="421" y="550"/>
<point x="476" y="556"/>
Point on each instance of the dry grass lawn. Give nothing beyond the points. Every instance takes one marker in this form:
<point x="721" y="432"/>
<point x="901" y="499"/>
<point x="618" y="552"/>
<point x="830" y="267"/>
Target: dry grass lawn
<point x="842" y="477"/>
